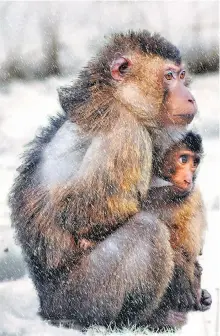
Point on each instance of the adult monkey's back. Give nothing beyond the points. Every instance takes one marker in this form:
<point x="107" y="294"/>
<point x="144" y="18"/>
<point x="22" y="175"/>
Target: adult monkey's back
<point x="89" y="170"/>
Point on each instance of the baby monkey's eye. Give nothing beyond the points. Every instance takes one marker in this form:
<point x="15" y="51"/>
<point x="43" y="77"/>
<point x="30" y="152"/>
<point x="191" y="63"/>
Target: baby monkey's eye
<point x="183" y="159"/>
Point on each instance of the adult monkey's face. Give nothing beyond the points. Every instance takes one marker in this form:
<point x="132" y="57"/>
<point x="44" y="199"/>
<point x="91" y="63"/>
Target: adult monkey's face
<point x="154" y="89"/>
<point x="179" y="107"/>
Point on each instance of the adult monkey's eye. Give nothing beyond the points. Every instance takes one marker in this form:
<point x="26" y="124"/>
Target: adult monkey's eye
<point x="183" y="159"/>
<point x="182" y="74"/>
<point x="169" y="75"/>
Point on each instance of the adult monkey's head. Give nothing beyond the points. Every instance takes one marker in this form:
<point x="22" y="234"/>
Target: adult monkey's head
<point x="136" y="72"/>
<point x="152" y="75"/>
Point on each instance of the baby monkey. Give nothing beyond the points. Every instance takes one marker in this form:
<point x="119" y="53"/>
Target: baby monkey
<point x="179" y="205"/>
<point x="179" y="166"/>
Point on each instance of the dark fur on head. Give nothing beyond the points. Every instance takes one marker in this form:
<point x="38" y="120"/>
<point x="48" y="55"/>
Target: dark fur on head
<point x="193" y="142"/>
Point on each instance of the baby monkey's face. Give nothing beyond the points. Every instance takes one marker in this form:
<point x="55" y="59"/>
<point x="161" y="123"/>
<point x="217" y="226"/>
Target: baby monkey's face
<point x="180" y="166"/>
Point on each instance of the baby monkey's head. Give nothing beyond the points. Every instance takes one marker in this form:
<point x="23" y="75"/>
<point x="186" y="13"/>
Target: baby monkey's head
<point x="180" y="164"/>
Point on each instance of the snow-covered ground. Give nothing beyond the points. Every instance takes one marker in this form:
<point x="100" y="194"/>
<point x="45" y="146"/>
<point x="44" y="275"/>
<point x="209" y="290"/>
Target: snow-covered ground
<point x="25" y="106"/>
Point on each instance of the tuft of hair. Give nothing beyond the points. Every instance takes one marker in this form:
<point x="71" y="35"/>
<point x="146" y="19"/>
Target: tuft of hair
<point x="146" y="42"/>
<point x="193" y="142"/>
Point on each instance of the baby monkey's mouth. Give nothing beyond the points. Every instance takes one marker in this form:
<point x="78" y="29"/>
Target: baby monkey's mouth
<point x="182" y="190"/>
<point x="176" y="189"/>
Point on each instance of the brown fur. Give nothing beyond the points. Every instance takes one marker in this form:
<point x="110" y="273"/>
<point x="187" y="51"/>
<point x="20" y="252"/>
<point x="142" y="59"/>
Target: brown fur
<point x="189" y="225"/>
<point x="113" y="186"/>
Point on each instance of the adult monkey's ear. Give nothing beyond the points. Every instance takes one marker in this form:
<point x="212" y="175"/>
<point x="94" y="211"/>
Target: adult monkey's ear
<point x="119" y="67"/>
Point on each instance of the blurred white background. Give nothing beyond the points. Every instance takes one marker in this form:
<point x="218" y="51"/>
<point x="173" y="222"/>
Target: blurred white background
<point x="35" y="34"/>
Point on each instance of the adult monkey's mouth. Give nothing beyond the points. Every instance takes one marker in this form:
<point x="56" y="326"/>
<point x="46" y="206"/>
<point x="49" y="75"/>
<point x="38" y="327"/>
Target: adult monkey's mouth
<point x="187" y="117"/>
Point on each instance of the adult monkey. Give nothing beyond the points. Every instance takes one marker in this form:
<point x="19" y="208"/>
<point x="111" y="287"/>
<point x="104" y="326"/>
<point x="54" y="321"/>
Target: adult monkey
<point x="91" y="168"/>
